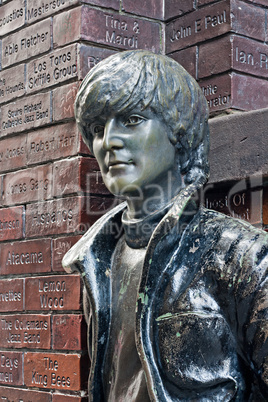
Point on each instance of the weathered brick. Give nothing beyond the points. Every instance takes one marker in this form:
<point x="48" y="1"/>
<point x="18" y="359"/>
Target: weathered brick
<point x="204" y="2"/>
<point x="53" y="371"/>
<point x="235" y="200"/>
<point x="90" y="56"/>
<point x="12" y="16"/>
<point x="26" y="43"/>
<point x="159" y="9"/>
<point x="54" y="142"/>
<point x="13" y="153"/>
<point x="37" y="9"/>
<point x="79" y="175"/>
<point x="66" y="215"/>
<point x="25" y="331"/>
<point x="26" y="113"/>
<point x="261" y="2"/>
<point x="63" y="101"/>
<point x="55" y="292"/>
<point x="21" y="395"/>
<point x="68" y="398"/>
<point x="31" y="256"/>
<point x="12" y="83"/>
<point x="110" y="29"/>
<point x="56" y="67"/>
<point x="234" y="147"/>
<point x="215" y="20"/>
<point x="265" y="206"/>
<point x="233" y="52"/>
<point x="11" y="371"/>
<point x="60" y="246"/>
<point x="115" y="4"/>
<point x="11" y="223"/>
<point x="27" y="185"/>
<point x="187" y="58"/>
<point x="218" y="92"/>
<point x="249" y="93"/>
<point x="68" y="332"/>
<point x="11" y="295"/>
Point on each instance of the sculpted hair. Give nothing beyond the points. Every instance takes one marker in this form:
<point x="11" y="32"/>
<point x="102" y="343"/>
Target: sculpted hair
<point x="143" y="79"/>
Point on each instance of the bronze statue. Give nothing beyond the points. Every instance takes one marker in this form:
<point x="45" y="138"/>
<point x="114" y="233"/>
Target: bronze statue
<point x="175" y="301"/>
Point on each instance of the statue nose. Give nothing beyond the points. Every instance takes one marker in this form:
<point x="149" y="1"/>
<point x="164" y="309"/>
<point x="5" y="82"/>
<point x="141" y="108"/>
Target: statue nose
<point x="112" y="136"/>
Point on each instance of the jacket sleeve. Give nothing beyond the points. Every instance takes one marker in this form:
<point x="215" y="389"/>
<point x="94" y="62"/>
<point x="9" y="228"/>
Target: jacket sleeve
<point x="252" y="298"/>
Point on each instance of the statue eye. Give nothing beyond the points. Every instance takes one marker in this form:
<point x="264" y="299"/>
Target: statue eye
<point x="97" y="129"/>
<point x="133" y="120"/>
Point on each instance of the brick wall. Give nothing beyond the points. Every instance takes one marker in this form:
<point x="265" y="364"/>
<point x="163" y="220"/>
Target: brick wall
<point x="51" y="188"/>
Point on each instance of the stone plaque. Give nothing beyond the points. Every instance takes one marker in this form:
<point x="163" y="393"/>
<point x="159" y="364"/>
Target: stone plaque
<point x="53" y="371"/>
<point x="52" y="293"/>
<point x="11" y="223"/>
<point x="11" y="295"/>
<point x="52" y="69"/>
<point x="27" y="43"/>
<point x="12" y="16"/>
<point x="31" y="256"/>
<point x="25" y="331"/>
<point x="10" y="371"/>
<point x="21" y="395"/>
<point x="27" y="185"/>
<point x="25" y="114"/>
<point x="13" y="153"/>
<point x="12" y="83"/>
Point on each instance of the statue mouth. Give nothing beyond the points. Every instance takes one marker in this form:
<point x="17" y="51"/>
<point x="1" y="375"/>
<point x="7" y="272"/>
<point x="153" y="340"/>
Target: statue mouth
<point x="119" y="163"/>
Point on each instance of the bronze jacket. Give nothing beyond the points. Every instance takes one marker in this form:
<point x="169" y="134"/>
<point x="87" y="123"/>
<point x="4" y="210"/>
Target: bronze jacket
<point x="201" y="320"/>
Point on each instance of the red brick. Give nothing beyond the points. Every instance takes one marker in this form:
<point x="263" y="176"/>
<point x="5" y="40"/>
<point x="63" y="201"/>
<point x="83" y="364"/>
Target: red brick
<point x="21" y="395"/>
<point x="11" y="223"/>
<point x="69" y="332"/>
<point x="13" y="153"/>
<point x="27" y="185"/>
<point x="31" y="256"/>
<point x="57" y="67"/>
<point x="214" y="57"/>
<point x="204" y="2"/>
<point x="67" y="398"/>
<point x="159" y="9"/>
<point x="250" y="56"/>
<point x="249" y="93"/>
<point x="217" y="91"/>
<point x="215" y="20"/>
<point x="187" y="58"/>
<point x="233" y="52"/>
<point x="67" y="215"/>
<point x="26" y="43"/>
<point x="28" y="113"/>
<point x="53" y="143"/>
<point x="99" y="26"/>
<point x="79" y="175"/>
<point x="12" y="83"/>
<point x="11" y="371"/>
<point x="90" y="56"/>
<point x="55" y="292"/>
<point x="115" y="4"/>
<point x="11" y="295"/>
<point x="12" y="16"/>
<point x="63" y="101"/>
<point x="25" y="331"/>
<point x="261" y="2"/>
<point x="36" y="9"/>
<point x="60" y="246"/>
<point x="53" y="371"/>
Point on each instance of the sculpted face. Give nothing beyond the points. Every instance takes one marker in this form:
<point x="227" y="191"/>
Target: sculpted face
<point x="134" y="152"/>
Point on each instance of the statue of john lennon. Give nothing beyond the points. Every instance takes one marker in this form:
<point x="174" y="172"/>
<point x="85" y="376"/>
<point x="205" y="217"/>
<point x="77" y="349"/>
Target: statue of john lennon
<point x="175" y="301"/>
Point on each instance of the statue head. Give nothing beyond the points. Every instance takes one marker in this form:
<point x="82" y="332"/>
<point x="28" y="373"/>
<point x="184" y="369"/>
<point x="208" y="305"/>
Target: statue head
<point x="141" y="79"/>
